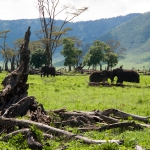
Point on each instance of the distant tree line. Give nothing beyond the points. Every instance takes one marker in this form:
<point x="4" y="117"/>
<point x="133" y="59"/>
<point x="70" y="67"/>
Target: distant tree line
<point x="98" y="53"/>
<point x="51" y="37"/>
<point x="73" y="51"/>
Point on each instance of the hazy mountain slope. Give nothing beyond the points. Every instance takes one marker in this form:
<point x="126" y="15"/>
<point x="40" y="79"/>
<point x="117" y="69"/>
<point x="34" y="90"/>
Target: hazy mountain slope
<point x="18" y="28"/>
<point x="87" y="31"/>
<point x="134" y="35"/>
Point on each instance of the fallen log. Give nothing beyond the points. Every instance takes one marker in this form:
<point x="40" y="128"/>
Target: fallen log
<point x="48" y="129"/>
<point x="75" y="121"/>
<point x="20" y="108"/>
<point x="23" y="131"/>
<point x="124" y="115"/>
<point x="145" y="125"/>
<point x="93" y="116"/>
<point x="123" y="125"/>
<point x="105" y="118"/>
<point x="89" y="115"/>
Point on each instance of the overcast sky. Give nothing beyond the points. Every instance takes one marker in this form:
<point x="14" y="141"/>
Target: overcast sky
<point x="97" y="9"/>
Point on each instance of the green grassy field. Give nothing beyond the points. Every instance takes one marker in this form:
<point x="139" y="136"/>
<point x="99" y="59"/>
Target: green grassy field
<point x="73" y="93"/>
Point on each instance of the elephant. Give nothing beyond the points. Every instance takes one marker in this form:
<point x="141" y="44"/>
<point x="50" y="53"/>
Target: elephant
<point x="46" y="70"/>
<point x="125" y="75"/>
<point x="100" y="76"/>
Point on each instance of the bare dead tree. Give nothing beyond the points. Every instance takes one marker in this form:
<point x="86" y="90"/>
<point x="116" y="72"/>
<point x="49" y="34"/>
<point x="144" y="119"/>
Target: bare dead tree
<point x="115" y="47"/>
<point x="50" y="35"/>
<point x="3" y="35"/>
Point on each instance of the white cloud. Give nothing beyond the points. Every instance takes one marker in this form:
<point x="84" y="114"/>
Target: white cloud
<point x="23" y="9"/>
<point x="17" y="9"/>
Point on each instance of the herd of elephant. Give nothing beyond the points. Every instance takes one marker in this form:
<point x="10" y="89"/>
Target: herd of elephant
<point x="101" y="76"/>
<point x="121" y="74"/>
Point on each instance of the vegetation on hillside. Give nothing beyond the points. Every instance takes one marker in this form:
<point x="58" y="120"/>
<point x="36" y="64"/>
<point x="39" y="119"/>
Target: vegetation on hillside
<point x="132" y="31"/>
<point x="83" y="30"/>
<point x="134" y="35"/>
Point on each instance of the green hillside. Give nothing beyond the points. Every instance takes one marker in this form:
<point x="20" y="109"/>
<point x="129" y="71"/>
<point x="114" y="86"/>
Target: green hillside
<point x="134" y="35"/>
<point x="87" y="31"/>
<point x="132" y="31"/>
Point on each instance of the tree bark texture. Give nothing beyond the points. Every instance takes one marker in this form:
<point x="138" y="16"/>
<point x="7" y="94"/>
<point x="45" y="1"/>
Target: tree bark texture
<point x="15" y="84"/>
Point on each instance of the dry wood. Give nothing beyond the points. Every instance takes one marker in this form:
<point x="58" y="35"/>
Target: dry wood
<point x="105" y="118"/>
<point x="145" y="125"/>
<point x="57" y="111"/>
<point x="15" y="86"/>
<point x="23" y="131"/>
<point x="93" y="116"/>
<point x="20" y="108"/>
<point x="51" y="130"/>
<point x="75" y="121"/>
<point x="14" y="100"/>
<point x="124" y="115"/>
<point x="89" y="115"/>
<point x="124" y="125"/>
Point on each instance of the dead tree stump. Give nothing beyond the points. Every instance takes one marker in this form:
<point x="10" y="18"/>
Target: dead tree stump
<point x="14" y="100"/>
<point x="15" y="84"/>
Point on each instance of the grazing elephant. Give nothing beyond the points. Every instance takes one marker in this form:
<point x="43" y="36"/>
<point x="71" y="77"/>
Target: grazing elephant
<point x="125" y="75"/>
<point x="100" y="76"/>
<point x="48" y="70"/>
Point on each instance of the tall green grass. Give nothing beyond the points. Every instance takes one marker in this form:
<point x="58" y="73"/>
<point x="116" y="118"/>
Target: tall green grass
<point x="74" y="93"/>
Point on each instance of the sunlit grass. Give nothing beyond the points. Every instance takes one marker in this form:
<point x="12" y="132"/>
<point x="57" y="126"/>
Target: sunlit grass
<point x="74" y="93"/>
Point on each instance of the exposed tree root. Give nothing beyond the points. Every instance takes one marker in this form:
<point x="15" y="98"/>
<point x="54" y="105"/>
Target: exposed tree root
<point x="124" y="115"/>
<point x="51" y="130"/>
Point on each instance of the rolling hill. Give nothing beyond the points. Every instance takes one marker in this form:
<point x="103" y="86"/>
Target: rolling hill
<point x="134" y="35"/>
<point x="132" y="31"/>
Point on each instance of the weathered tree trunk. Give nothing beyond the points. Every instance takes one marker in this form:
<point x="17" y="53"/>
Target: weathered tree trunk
<point x="6" y="65"/>
<point x="0" y="69"/>
<point x="15" y="84"/>
<point x="55" y="131"/>
<point x="100" y="65"/>
<point x="124" y="115"/>
<point x="13" y="63"/>
<point x="69" y="68"/>
<point x="123" y="125"/>
<point x="14" y="100"/>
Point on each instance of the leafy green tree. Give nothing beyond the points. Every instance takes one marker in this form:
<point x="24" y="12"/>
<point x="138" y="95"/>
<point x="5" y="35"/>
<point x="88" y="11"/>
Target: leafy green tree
<point x="86" y="59"/>
<point x="114" y="52"/>
<point x="79" y="45"/>
<point x="115" y="47"/>
<point x="110" y="58"/>
<point x="95" y="54"/>
<point x="38" y="58"/>
<point x="70" y="53"/>
<point x="33" y="46"/>
<point x="51" y="35"/>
